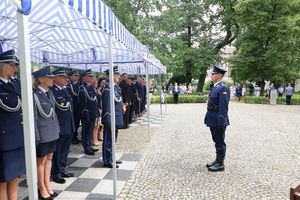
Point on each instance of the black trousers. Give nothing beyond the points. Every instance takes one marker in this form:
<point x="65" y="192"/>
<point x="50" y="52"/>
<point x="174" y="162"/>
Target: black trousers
<point x="59" y="161"/>
<point x="126" y="117"/>
<point x="131" y="112"/>
<point x="107" y="144"/>
<point x="288" y="100"/>
<point x="176" y="98"/>
<point x="219" y="140"/>
<point x="87" y="133"/>
<point x="76" y="116"/>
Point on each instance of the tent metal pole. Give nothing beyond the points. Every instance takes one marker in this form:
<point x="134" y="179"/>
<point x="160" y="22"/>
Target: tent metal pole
<point x="166" y="100"/>
<point x="112" y="111"/>
<point x="27" y="105"/>
<point x="148" y="97"/>
<point x="160" y="105"/>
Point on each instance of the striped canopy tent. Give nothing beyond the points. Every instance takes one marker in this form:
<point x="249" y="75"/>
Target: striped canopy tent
<point x="74" y="32"/>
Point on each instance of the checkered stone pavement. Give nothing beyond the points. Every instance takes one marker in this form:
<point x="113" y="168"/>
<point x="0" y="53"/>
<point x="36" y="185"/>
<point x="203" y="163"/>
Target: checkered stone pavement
<point x="155" y="120"/>
<point x="91" y="180"/>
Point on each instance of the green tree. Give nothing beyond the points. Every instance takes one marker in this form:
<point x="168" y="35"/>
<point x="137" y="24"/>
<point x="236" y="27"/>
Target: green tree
<point x="186" y="35"/>
<point x="268" y="46"/>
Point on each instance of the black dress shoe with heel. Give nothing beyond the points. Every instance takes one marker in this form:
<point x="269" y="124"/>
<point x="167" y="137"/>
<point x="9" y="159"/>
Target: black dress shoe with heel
<point x="44" y="198"/>
<point x="54" y="194"/>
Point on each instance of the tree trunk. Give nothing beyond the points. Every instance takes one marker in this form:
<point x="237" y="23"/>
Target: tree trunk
<point x="262" y="88"/>
<point x="201" y="82"/>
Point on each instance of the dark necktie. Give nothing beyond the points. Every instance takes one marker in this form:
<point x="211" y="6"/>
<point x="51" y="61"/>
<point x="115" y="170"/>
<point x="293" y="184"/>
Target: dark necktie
<point x="48" y="94"/>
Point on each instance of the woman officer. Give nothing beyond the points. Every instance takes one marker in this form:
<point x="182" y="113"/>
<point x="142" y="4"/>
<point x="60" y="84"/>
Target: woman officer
<point x="48" y="129"/>
<point x="12" y="156"/>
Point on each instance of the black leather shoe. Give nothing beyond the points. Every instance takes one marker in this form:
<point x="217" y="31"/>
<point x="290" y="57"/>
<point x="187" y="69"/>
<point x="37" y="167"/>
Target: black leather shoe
<point x="44" y="198"/>
<point x="110" y="165"/>
<point x="67" y="174"/>
<point x="59" y="180"/>
<point x="208" y="165"/>
<point x="91" y="153"/>
<point x="216" y="168"/>
<point x="54" y="194"/>
<point x="119" y="162"/>
<point x="95" y="150"/>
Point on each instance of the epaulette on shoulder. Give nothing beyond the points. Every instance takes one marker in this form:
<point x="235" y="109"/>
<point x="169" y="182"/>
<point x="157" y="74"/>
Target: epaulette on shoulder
<point x="224" y="84"/>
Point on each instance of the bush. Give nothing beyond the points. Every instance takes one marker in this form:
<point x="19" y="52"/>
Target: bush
<point x="255" y="100"/>
<point x="265" y="100"/>
<point x="182" y="99"/>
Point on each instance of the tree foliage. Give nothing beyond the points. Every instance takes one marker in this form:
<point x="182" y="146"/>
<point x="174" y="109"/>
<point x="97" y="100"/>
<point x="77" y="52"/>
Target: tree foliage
<point x="268" y="46"/>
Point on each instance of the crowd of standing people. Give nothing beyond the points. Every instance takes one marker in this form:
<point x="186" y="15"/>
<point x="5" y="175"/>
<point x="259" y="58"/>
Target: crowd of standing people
<point x="61" y="104"/>
<point x="238" y="91"/>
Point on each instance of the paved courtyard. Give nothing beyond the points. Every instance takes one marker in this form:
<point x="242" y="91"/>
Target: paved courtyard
<point x="263" y="155"/>
<point x="263" y="159"/>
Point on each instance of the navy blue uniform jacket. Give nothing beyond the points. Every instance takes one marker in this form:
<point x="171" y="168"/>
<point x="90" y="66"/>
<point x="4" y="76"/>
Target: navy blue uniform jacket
<point x="88" y="103"/>
<point x="217" y="106"/>
<point x="65" y="116"/>
<point x="11" y="123"/>
<point x="106" y="106"/>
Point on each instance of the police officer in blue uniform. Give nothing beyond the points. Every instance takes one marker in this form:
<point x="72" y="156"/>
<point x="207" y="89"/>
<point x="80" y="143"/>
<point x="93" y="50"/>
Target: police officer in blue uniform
<point x="106" y="118"/>
<point x="64" y="111"/>
<point x="73" y="88"/>
<point x="89" y="111"/>
<point x="217" y="117"/>
<point x="12" y="156"/>
<point x="48" y="129"/>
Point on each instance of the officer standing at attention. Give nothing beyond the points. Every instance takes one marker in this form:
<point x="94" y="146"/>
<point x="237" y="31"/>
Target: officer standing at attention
<point x="88" y="111"/>
<point x="47" y="128"/>
<point x="73" y="88"/>
<point x="12" y="156"/>
<point x="106" y="118"/>
<point x="64" y="111"/>
<point x="216" y="117"/>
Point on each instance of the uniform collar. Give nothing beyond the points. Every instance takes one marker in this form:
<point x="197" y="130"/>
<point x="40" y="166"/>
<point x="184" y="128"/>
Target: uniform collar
<point x="4" y="80"/>
<point x="43" y="89"/>
<point x="60" y="88"/>
<point x="217" y="83"/>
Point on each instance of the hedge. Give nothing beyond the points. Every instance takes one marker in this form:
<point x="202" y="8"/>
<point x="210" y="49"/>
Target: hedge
<point x="265" y="100"/>
<point x="182" y="99"/>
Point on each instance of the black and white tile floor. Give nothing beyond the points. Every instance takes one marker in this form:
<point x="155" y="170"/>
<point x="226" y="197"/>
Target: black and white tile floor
<point x="155" y="120"/>
<point x="91" y="181"/>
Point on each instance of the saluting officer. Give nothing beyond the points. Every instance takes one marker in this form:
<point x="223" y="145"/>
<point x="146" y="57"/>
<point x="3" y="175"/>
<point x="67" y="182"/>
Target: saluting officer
<point x="48" y="129"/>
<point x="12" y="156"/>
<point x="64" y="111"/>
<point x="217" y="116"/>
<point x="88" y="111"/>
<point x="106" y="118"/>
<point x="73" y="88"/>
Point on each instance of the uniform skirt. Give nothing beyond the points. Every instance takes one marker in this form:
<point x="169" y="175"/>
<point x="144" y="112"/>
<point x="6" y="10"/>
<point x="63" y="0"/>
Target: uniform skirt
<point x="12" y="164"/>
<point x="44" y="148"/>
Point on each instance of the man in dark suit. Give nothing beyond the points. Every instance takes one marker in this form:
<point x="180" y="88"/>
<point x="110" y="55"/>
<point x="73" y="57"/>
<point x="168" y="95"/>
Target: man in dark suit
<point x="89" y="111"/>
<point x="126" y="98"/>
<point x="216" y="117"/>
<point x="106" y="118"/>
<point x="73" y="88"/>
<point x="64" y="111"/>
<point x="141" y="94"/>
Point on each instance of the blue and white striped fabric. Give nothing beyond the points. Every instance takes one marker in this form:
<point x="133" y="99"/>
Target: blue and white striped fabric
<point x="73" y="31"/>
